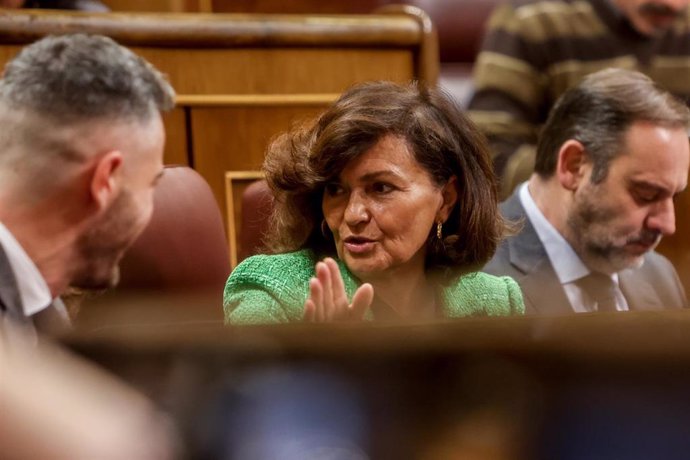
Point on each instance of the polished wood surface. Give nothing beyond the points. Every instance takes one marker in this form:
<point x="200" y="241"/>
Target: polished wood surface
<point x="428" y="61"/>
<point x="235" y="137"/>
<point x="489" y="388"/>
<point x="176" y="137"/>
<point x="296" y="7"/>
<point x="277" y="71"/>
<point x="216" y="30"/>
<point x="171" y="6"/>
<point x="143" y="322"/>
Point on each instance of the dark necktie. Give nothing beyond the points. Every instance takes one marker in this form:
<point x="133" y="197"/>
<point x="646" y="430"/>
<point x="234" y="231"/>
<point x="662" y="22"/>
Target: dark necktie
<point x="601" y="289"/>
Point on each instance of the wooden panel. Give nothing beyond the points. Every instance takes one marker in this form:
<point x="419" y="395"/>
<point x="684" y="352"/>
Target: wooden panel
<point x="235" y="184"/>
<point x="235" y="139"/>
<point x="175" y="138"/>
<point x="218" y="30"/>
<point x="7" y="52"/>
<point x="297" y="7"/>
<point x="255" y="100"/>
<point x="277" y="71"/>
<point x="268" y="39"/>
<point x="178" y="6"/>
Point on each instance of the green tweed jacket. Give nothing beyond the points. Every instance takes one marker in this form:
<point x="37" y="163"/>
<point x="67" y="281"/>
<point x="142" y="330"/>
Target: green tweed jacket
<point x="273" y="288"/>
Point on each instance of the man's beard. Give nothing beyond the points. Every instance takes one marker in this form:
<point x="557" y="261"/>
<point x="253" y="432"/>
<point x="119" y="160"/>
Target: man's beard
<point x="101" y="248"/>
<point x="595" y="241"/>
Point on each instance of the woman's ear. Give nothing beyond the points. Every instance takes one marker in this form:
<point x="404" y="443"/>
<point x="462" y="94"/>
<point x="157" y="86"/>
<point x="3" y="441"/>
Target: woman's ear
<point x="450" y="197"/>
<point x="105" y="179"/>
<point x="572" y="164"/>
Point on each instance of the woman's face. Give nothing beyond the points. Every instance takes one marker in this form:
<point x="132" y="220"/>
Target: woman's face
<point x="381" y="209"/>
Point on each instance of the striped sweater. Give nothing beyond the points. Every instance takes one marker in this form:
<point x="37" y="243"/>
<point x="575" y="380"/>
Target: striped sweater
<point x="536" y="49"/>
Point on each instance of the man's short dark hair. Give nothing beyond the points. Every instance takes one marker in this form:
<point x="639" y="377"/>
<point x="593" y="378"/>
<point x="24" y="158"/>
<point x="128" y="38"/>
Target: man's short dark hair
<point x="598" y="112"/>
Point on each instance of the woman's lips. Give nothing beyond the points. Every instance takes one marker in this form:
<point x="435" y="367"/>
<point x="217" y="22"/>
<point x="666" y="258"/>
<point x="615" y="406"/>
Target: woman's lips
<point x="357" y="245"/>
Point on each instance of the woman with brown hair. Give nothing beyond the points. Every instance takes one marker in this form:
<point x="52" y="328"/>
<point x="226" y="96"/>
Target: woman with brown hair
<point x="384" y="208"/>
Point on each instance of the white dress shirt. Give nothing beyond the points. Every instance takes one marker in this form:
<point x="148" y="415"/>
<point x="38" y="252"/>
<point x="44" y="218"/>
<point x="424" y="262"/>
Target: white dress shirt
<point x="566" y="263"/>
<point x="33" y="290"/>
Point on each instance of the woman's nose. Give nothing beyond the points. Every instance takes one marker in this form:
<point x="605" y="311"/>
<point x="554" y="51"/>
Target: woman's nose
<point x="356" y="210"/>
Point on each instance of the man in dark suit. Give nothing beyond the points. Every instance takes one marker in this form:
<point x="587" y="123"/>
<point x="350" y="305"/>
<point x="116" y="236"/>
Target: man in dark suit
<point x="81" y="149"/>
<point x="610" y="159"/>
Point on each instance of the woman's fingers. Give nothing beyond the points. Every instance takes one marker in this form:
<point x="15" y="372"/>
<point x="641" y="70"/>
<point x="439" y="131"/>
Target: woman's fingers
<point x="316" y="296"/>
<point x="338" y="287"/>
<point x="328" y="299"/>
<point x="323" y="273"/>
<point x="309" y="311"/>
<point x="361" y="301"/>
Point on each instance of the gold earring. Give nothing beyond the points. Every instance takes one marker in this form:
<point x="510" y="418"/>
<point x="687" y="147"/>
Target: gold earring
<point x="439" y="230"/>
<point x="324" y="229"/>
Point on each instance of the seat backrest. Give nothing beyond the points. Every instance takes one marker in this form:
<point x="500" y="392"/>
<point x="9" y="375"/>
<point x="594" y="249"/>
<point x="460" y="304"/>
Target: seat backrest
<point x="257" y="204"/>
<point x="184" y="247"/>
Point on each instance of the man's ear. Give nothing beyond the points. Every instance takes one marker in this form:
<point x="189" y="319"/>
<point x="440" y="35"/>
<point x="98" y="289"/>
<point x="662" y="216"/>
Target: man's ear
<point x="450" y="197"/>
<point x="571" y="166"/>
<point x="105" y="182"/>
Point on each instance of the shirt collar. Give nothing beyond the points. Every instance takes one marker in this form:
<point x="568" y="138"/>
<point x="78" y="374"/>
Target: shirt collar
<point x="565" y="262"/>
<point x="33" y="289"/>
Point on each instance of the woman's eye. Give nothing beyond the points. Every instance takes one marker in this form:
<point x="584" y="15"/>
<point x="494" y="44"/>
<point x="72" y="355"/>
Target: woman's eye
<point x="333" y="189"/>
<point x="382" y="187"/>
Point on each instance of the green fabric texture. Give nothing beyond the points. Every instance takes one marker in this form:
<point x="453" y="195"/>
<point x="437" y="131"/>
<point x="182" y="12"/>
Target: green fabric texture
<point x="268" y="289"/>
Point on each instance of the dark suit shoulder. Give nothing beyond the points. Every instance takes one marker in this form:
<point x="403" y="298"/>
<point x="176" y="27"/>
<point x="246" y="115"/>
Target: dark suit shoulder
<point x="513" y="212"/>
<point x="658" y="272"/>
<point x="512" y="208"/>
<point x="657" y="267"/>
<point x="499" y="264"/>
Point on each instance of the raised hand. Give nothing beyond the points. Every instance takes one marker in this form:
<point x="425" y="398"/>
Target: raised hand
<point x="327" y="297"/>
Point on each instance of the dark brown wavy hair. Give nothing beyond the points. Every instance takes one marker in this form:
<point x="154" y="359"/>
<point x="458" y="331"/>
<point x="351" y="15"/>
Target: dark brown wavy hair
<point x="445" y="142"/>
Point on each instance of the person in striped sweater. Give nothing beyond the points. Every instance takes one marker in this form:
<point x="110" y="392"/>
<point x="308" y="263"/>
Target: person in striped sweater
<point x="534" y="50"/>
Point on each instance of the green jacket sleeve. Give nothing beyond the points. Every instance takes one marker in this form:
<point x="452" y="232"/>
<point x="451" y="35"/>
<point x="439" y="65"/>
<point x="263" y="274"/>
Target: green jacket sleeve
<point x="242" y="308"/>
<point x="517" y="303"/>
<point x="479" y="293"/>
<point x="268" y="289"/>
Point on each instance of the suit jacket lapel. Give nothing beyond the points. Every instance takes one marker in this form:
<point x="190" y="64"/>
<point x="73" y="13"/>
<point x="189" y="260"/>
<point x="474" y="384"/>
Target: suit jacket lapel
<point x="541" y="288"/>
<point x="10" y="302"/>
<point x="54" y="320"/>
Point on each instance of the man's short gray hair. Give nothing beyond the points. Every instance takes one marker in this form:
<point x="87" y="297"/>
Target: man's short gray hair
<point x="73" y="77"/>
<point x="56" y="91"/>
